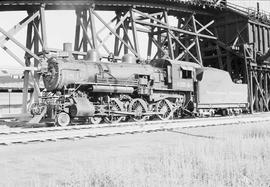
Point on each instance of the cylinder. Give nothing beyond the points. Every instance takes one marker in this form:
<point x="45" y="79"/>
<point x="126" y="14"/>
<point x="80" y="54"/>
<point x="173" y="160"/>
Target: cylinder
<point x="82" y="107"/>
<point x="111" y="89"/>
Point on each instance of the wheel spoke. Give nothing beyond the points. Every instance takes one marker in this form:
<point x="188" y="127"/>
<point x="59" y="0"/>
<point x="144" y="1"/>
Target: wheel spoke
<point x="116" y="105"/>
<point x="165" y="108"/>
<point x="95" y="120"/>
<point x="62" y="119"/>
<point x="139" y="107"/>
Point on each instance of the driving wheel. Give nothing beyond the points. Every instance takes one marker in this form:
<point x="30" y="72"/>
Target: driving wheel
<point x="139" y="108"/>
<point x="114" y="105"/>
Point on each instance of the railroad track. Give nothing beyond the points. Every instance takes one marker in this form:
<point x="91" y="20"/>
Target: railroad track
<point x="18" y="135"/>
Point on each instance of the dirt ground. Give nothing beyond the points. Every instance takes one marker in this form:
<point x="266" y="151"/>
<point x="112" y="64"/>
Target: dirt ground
<point x="36" y="164"/>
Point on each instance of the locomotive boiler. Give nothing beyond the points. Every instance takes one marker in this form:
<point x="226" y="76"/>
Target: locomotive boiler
<point x="95" y="91"/>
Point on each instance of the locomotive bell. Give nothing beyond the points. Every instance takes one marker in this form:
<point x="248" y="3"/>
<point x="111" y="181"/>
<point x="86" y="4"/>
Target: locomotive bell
<point x="67" y="47"/>
<point x="93" y="55"/>
<point x="129" y="58"/>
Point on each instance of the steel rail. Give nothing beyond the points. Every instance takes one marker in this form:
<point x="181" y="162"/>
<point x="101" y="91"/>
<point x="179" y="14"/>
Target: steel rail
<point x="7" y="131"/>
<point x="77" y="132"/>
<point x="18" y="130"/>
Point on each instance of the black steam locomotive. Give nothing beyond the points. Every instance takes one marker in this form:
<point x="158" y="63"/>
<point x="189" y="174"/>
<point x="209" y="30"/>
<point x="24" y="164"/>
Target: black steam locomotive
<point x="111" y="92"/>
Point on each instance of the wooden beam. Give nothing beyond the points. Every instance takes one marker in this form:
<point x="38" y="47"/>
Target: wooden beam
<point x="134" y="31"/>
<point x="86" y="36"/>
<point x="116" y="40"/>
<point x="26" y="73"/>
<point x="166" y="26"/>
<point x="159" y="46"/>
<point x="114" y="32"/>
<point x="77" y="33"/>
<point x="43" y="27"/>
<point x="36" y="75"/>
<point x="251" y="92"/>
<point x="170" y="47"/>
<point x="93" y="28"/>
<point x="261" y="92"/>
<point x="186" y="49"/>
<point x="14" y="30"/>
<point x="19" y="44"/>
<point x="198" y="48"/>
<point x="117" y="30"/>
<point x="149" y="47"/>
<point x="204" y="27"/>
<point x="36" y="30"/>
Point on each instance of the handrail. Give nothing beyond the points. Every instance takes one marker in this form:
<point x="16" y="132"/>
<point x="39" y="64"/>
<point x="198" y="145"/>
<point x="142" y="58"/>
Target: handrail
<point x="253" y="13"/>
<point x="261" y="15"/>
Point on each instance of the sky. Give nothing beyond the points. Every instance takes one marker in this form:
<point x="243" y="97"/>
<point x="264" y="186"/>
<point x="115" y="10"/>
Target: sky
<point x="265" y="4"/>
<point x="61" y="28"/>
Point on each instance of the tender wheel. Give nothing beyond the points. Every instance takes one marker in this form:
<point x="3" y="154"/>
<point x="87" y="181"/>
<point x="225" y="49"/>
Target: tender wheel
<point x="62" y="119"/>
<point x="224" y="112"/>
<point x="165" y="108"/>
<point x="115" y="106"/>
<point x="139" y="107"/>
<point x="95" y="120"/>
<point x="230" y="112"/>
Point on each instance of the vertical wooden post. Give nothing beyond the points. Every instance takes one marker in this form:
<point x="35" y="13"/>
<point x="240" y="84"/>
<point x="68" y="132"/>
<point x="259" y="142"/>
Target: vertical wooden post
<point x="186" y="40"/>
<point x="177" y="45"/>
<point x="220" y="62"/>
<point x="125" y="38"/>
<point x="260" y="76"/>
<point x="170" y="48"/>
<point x="134" y="32"/>
<point x="116" y="40"/>
<point x="36" y="62"/>
<point x="150" y="42"/>
<point x="43" y="27"/>
<point x="255" y="74"/>
<point x="93" y="29"/>
<point x="27" y="63"/>
<point x="228" y="61"/>
<point x="266" y="88"/>
<point x="77" y="32"/>
<point x="85" y="20"/>
<point x="159" y="38"/>
<point x="251" y="91"/>
<point x="198" y="49"/>
<point x="248" y="78"/>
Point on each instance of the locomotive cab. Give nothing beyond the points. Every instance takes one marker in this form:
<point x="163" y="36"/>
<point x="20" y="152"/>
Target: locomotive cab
<point x="180" y="74"/>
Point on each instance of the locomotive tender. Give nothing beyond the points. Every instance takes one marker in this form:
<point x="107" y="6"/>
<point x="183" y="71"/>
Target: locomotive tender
<point x="112" y="92"/>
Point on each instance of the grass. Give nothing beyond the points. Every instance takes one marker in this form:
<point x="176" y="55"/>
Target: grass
<point x="221" y="156"/>
<point x="239" y="159"/>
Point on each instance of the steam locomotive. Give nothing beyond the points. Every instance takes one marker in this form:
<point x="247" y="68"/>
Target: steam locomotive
<point x="95" y="91"/>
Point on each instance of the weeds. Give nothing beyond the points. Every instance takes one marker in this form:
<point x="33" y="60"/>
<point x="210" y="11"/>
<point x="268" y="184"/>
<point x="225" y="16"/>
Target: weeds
<point x="242" y="160"/>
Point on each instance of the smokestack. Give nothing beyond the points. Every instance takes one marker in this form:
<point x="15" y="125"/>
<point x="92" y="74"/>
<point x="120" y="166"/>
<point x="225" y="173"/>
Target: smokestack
<point x="67" y="47"/>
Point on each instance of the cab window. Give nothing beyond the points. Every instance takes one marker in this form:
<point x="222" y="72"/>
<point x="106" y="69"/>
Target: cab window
<point x="186" y="74"/>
